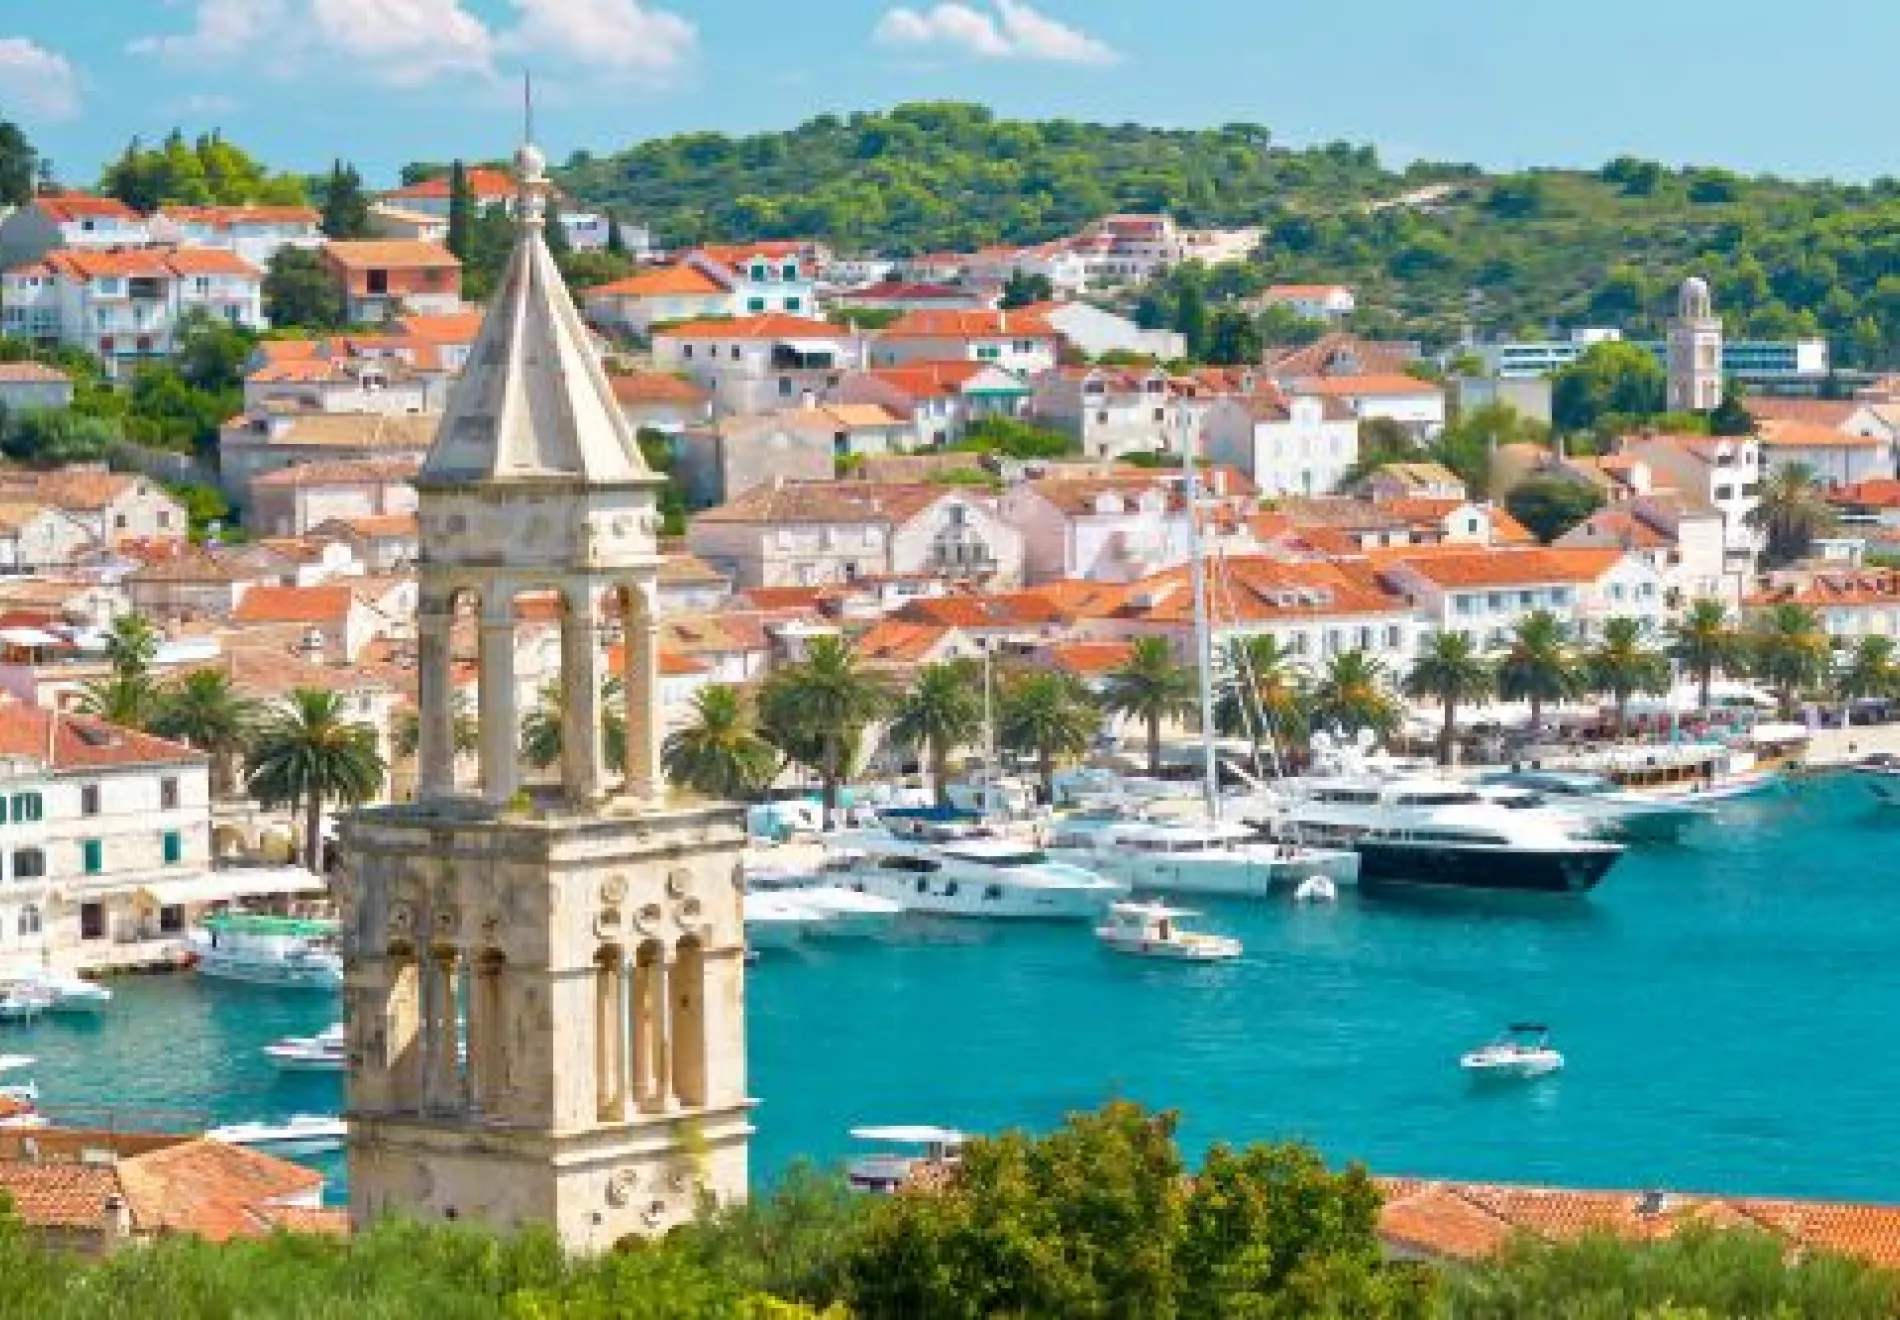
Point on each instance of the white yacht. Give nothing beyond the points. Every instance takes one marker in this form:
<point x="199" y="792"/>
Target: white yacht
<point x="1523" y="1051"/>
<point x="64" y="993"/>
<point x="323" y="1052"/>
<point x="283" y="951"/>
<point x="23" y="999"/>
<point x="848" y="913"/>
<point x="300" y="1134"/>
<point x="1604" y="808"/>
<point x="1154" y="930"/>
<point x="1696" y="771"/>
<point x="916" y="1149"/>
<point x="960" y="874"/>
<point x="1416" y="829"/>
<point x="1194" y="856"/>
<point x="778" y="921"/>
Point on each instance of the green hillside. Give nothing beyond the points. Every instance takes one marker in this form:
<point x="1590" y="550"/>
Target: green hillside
<point x="1500" y="254"/>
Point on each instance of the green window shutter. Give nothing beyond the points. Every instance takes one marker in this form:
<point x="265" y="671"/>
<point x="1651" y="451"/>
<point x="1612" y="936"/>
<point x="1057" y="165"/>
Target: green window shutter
<point x="95" y="856"/>
<point x="174" y="847"/>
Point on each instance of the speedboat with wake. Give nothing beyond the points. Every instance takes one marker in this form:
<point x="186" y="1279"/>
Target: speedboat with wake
<point x="323" y="1052"/>
<point x="300" y="1134"/>
<point x="1522" y="1052"/>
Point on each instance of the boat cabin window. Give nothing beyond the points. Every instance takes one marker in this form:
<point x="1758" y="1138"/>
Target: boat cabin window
<point x="1027" y="857"/>
<point x="898" y="862"/>
<point x="1351" y="797"/>
<point x="994" y="893"/>
<point x="1442" y="798"/>
<point x="1453" y="836"/>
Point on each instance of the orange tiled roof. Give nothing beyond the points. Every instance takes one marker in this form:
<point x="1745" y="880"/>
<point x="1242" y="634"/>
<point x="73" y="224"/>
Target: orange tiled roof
<point x="486" y="184"/>
<point x="442" y="327"/>
<point x="68" y="206"/>
<point x="341" y="472"/>
<point x="829" y="502"/>
<point x="1019" y="609"/>
<point x="1833" y="590"/>
<point x="401" y="253"/>
<point x="951" y="324"/>
<point x="657" y="387"/>
<point x="1806" y="435"/>
<point x="929" y="380"/>
<point x="1831" y="413"/>
<point x="731" y="255"/>
<point x="1255" y="588"/>
<point x="898" y="641"/>
<point x="80" y="742"/>
<point x="1874" y="493"/>
<point x="329" y="604"/>
<point x="1086" y="659"/>
<point x="214" y="1190"/>
<point x="223" y="217"/>
<point x="1383" y="385"/>
<point x="667" y="281"/>
<point x="23" y="373"/>
<point x="1469" y="566"/>
<point x="770" y="325"/>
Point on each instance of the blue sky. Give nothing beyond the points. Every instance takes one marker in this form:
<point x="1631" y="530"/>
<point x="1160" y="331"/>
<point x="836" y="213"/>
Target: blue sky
<point x="1502" y="82"/>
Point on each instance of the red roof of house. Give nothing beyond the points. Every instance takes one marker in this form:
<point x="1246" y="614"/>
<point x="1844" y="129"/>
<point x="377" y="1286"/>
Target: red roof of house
<point x="1369" y="386"/>
<point x="771" y="325"/>
<point x="485" y="183"/>
<point x="1874" y="493"/>
<point x="294" y="605"/>
<point x="223" y="217"/>
<point x="1474" y="566"/>
<point x="657" y="387"/>
<point x="68" y="206"/>
<point x="667" y="281"/>
<point x="80" y="742"/>
<point x="1086" y="659"/>
<point x="390" y="253"/>
<point x="952" y="324"/>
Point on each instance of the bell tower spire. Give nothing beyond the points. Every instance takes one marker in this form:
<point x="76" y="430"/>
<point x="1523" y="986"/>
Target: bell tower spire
<point x="545" y="971"/>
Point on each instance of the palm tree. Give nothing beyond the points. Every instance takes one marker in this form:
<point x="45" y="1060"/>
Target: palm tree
<point x="942" y="711"/>
<point x="718" y="752"/>
<point x="1705" y="640"/>
<point x="1539" y="665"/>
<point x="204" y="709"/>
<point x="541" y="727"/>
<point x="1622" y="665"/>
<point x="1151" y="687"/>
<point x="1452" y="672"/>
<point x="1355" y="692"/>
<point x="128" y="696"/>
<point x="306" y="754"/>
<point x="1260" y="682"/>
<point x="1047" y="714"/>
<point x="1788" y="650"/>
<point x="127" y="699"/>
<point x="465" y="731"/>
<point x="1793" y="511"/>
<point x="817" y="709"/>
<point x="1872" y="669"/>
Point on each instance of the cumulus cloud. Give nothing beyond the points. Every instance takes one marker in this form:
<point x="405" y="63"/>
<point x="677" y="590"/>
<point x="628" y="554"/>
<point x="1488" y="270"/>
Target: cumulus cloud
<point x="39" y="81"/>
<point x="625" y="36"/>
<point x="405" y="42"/>
<point x="220" y="29"/>
<point x="1012" y="30"/>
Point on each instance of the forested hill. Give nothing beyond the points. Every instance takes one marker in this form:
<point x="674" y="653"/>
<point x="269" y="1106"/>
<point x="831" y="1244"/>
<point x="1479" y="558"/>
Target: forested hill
<point x="1498" y="254"/>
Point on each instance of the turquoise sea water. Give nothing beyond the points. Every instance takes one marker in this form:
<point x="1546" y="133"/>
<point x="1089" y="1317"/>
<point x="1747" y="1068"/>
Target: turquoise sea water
<point x="1727" y="1007"/>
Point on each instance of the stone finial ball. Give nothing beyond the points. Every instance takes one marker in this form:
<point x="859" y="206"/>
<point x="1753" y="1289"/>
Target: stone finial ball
<point x="530" y="164"/>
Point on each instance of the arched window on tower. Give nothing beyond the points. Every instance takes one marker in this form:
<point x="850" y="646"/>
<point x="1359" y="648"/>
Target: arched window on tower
<point x="687" y="984"/>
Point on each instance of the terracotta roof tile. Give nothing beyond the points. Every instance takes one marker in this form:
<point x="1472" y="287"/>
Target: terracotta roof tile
<point x="897" y="641"/>
<point x="666" y="281"/>
<point x="68" y="206"/>
<point x="657" y="387"/>
<point x="1087" y="659"/>
<point x="25" y="373"/>
<point x="1468" y="566"/>
<point x="830" y="502"/>
<point x="772" y="325"/>
<point x="398" y="253"/>
<point x="338" y="472"/>
<point x="486" y="184"/>
<point x="1874" y="493"/>
<point x="1807" y="435"/>
<point x="952" y="324"/>
<point x="80" y="742"/>
<point x="329" y="604"/>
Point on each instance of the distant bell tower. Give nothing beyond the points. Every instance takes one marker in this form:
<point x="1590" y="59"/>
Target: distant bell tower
<point x="545" y="984"/>
<point x="1695" y="350"/>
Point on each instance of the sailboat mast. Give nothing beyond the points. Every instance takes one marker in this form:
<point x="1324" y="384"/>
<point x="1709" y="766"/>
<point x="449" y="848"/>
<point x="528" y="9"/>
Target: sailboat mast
<point x="1203" y="641"/>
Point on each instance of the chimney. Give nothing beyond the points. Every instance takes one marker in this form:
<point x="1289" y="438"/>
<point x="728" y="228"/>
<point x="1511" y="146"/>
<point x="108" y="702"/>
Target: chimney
<point x="115" y="1222"/>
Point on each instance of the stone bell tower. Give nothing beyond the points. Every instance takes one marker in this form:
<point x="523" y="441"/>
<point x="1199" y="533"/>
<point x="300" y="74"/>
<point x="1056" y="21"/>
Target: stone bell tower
<point x="1695" y="350"/>
<point x="545" y="999"/>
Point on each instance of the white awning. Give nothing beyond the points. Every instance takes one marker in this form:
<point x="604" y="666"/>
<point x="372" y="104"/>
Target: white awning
<point x="29" y="637"/>
<point x="229" y="886"/>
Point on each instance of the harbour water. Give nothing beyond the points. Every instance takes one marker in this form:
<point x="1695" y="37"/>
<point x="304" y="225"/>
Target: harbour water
<point x="1726" y="1007"/>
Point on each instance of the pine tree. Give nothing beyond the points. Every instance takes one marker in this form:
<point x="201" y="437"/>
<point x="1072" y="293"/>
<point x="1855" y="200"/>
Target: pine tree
<point x="555" y="232"/>
<point x="345" y="206"/>
<point x="616" y="244"/>
<point x="461" y="213"/>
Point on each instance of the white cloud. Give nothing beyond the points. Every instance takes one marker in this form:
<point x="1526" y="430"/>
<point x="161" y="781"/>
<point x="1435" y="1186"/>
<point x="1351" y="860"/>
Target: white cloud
<point x="220" y="29"/>
<point x="37" y="80"/>
<point x="1013" y="30"/>
<point x="405" y="42"/>
<point x="627" y="36"/>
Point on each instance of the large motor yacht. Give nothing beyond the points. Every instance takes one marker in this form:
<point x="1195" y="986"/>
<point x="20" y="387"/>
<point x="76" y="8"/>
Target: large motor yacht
<point x="1421" y="829"/>
<point x="1606" y="809"/>
<point x="952" y="869"/>
<point x="1195" y="856"/>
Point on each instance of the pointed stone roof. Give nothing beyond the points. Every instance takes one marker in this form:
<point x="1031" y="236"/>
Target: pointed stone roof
<point x="533" y="403"/>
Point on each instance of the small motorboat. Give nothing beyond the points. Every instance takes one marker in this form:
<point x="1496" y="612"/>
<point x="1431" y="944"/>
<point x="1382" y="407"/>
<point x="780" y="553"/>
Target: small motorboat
<point x="19" y="1101"/>
<point x="919" y="1148"/>
<point x="323" y="1052"/>
<point x="1153" y="930"/>
<point x="1316" y="889"/>
<point x="1523" y="1051"/>
<point x="300" y="1134"/>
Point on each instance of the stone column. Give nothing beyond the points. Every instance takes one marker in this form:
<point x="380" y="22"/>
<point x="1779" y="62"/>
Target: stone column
<point x="445" y="1083"/>
<point x="501" y="725"/>
<point x="583" y="757"/>
<point x="435" y="752"/>
<point x="642" y="683"/>
<point x="609" y="1066"/>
